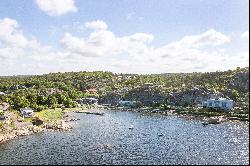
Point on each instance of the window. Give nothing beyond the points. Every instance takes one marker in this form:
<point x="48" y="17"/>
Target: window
<point x="216" y="103"/>
<point x="224" y="104"/>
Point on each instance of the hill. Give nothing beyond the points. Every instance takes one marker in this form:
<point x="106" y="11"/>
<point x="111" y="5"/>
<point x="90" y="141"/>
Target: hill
<point x="184" y="89"/>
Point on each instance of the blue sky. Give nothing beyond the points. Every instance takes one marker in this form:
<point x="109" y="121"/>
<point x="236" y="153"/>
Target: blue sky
<point x="159" y="24"/>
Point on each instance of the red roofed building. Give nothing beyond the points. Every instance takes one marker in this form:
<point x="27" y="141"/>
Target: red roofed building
<point x="92" y="90"/>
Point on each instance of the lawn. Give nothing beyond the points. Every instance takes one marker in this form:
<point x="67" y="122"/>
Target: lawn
<point x="50" y="114"/>
<point x="53" y="114"/>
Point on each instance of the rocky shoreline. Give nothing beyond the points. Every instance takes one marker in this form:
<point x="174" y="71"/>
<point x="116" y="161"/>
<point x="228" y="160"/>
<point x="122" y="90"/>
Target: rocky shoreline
<point x="59" y="125"/>
<point x="206" y="119"/>
<point x="62" y="125"/>
<point x="27" y="130"/>
<point x="32" y="129"/>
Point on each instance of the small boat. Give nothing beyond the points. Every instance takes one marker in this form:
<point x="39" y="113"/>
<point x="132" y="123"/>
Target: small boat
<point x="160" y="135"/>
<point x="131" y="127"/>
<point x="205" y="123"/>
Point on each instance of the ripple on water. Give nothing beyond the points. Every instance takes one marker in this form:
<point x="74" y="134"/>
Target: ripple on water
<point x="108" y="140"/>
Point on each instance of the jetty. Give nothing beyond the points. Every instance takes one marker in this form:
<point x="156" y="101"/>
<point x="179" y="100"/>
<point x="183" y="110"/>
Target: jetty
<point x="90" y="112"/>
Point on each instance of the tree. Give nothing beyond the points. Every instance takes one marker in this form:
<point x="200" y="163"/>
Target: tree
<point x="52" y="101"/>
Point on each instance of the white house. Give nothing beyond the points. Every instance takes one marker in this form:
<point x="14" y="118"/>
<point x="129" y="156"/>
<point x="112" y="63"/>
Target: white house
<point x="221" y="103"/>
<point x="26" y="112"/>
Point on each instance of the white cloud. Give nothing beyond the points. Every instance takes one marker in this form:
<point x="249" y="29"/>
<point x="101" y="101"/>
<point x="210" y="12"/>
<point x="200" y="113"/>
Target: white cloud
<point x="245" y="35"/>
<point x="96" y="25"/>
<point x="14" y="46"/>
<point x="103" y="50"/>
<point x="9" y="53"/>
<point x="57" y="7"/>
<point x="103" y="43"/>
<point x="209" y="38"/>
<point x="10" y="33"/>
<point x="106" y="44"/>
<point x="188" y="54"/>
<point x="141" y="37"/>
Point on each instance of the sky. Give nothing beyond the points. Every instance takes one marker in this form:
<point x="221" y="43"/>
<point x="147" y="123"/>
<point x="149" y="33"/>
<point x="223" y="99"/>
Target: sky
<point x="125" y="36"/>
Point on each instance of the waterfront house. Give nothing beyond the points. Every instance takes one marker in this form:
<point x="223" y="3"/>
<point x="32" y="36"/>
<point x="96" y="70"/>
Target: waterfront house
<point x="87" y="101"/>
<point x="90" y="101"/>
<point x="26" y="112"/>
<point x="221" y="103"/>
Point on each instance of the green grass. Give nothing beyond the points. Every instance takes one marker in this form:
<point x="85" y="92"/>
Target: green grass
<point x="50" y="114"/>
<point x="27" y="120"/>
<point x="54" y="114"/>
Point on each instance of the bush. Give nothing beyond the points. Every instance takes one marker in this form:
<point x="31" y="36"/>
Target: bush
<point x="40" y="108"/>
<point x="167" y="107"/>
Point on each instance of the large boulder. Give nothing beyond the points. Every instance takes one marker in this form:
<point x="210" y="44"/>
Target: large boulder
<point x="37" y="121"/>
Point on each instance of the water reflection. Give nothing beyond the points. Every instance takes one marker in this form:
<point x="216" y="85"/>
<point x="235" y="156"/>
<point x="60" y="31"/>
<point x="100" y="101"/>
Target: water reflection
<point x="153" y="140"/>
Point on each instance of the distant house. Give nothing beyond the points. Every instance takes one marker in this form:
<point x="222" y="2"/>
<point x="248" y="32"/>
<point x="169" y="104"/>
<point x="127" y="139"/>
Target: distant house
<point x="90" y="100"/>
<point x="221" y="103"/>
<point x="87" y="101"/>
<point x="26" y="112"/>
<point x="148" y="84"/>
<point x="92" y="90"/>
<point x="53" y="90"/>
<point x="127" y="103"/>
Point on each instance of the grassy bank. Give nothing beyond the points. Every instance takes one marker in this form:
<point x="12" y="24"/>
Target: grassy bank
<point x="50" y="114"/>
<point x="57" y="113"/>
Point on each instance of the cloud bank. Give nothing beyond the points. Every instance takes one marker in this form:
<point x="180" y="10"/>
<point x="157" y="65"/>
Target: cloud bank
<point x="103" y="50"/>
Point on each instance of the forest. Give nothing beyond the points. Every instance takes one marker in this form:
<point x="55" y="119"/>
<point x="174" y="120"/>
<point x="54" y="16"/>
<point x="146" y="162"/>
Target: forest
<point x="56" y="90"/>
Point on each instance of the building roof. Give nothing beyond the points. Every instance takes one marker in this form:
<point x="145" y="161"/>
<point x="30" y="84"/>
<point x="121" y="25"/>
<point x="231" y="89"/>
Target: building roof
<point x="126" y="101"/>
<point x="221" y="99"/>
<point x="27" y="110"/>
<point x="90" y="98"/>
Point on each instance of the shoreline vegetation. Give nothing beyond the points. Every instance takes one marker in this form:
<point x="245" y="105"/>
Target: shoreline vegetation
<point x="51" y="96"/>
<point x="56" y="119"/>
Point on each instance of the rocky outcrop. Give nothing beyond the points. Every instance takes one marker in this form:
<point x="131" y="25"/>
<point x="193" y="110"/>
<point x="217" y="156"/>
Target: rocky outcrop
<point x="37" y="121"/>
<point x="110" y="98"/>
<point x="147" y="95"/>
<point x="27" y="130"/>
<point x="61" y="126"/>
<point x="215" y="120"/>
<point x="191" y="97"/>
